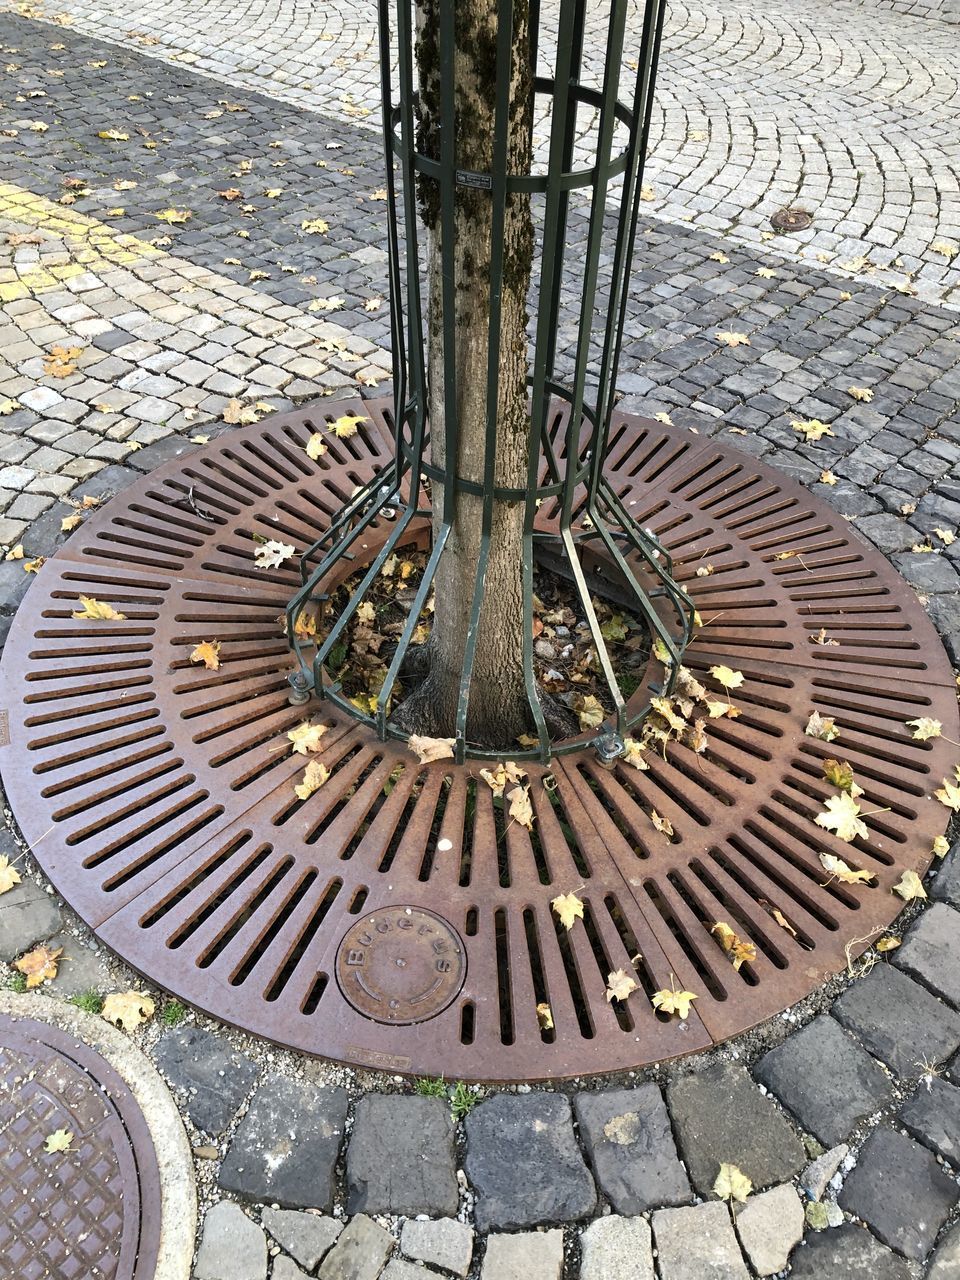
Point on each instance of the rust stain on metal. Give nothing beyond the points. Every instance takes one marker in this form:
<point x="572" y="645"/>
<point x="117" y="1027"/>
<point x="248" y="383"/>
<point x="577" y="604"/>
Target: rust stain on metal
<point x="169" y="821"/>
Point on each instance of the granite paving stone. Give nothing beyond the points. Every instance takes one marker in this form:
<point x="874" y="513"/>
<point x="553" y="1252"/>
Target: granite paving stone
<point x="628" y="1139"/>
<point x="932" y="1115"/>
<point x="900" y="1192"/>
<point x="770" y="1225"/>
<point x="930" y="953"/>
<point x="825" y="1079"/>
<point x="80" y="969"/>
<point x="307" y="1237"/>
<point x="721" y="1117"/>
<point x="847" y="1252"/>
<point x="816" y="1176"/>
<point x="215" y="1077"/>
<point x="524" y="1164"/>
<point x="442" y="1242"/>
<point x="528" y="1255"/>
<point x="28" y="914"/>
<point x="232" y="1246"/>
<point x="286" y="1269"/>
<point x="399" y="1269"/>
<point x="400" y="1158"/>
<point x="360" y="1253"/>
<point x="286" y="1147"/>
<point x="946" y="884"/>
<point x="697" y="1243"/>
<point x="945" y="1264"/>
<point x="898" y="1020"/>
<point x="617" y="1248"/>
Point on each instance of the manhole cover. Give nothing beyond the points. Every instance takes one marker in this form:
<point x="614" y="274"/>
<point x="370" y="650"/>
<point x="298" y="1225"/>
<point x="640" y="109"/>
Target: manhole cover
<point x="401" y="964"/>
<point x="791" y="220"/>
<point x="155" y="796"/>
<point x="94" y="1209"/>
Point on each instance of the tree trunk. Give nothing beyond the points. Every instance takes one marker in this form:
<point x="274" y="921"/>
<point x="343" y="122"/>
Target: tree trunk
<point x="498" y="708"/>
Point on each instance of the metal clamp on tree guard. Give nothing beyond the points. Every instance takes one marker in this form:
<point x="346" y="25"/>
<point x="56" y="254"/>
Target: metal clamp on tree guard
<point x="570" y="508"/>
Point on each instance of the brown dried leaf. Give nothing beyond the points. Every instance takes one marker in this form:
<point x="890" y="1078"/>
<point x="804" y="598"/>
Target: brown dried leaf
<point x="207" y="652"/>
<point x="39" y="965"/>
<point x="96" y="611"/>
<point x="127" y="1009"/>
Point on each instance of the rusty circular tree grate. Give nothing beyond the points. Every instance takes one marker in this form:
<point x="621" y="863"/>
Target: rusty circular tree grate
<point x="159" y="797"/>
<point x="93" y="1210"/>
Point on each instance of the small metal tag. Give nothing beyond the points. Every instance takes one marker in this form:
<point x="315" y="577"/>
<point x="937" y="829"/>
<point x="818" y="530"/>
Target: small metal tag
<point x="467" y="178"/>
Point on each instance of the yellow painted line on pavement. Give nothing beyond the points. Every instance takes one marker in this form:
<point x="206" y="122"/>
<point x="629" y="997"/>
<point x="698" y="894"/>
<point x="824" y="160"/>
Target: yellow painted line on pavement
<point x="87" y="244"/>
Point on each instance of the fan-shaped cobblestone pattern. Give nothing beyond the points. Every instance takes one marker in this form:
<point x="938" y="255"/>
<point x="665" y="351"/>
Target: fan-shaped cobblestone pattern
<point x="848" y="111"/>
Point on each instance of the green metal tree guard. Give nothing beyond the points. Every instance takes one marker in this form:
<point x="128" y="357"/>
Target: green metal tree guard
<point x="606" y="191"/>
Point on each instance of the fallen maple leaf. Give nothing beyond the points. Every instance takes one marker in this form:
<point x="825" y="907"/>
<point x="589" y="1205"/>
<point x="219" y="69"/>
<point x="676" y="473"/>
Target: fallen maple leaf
<point x="910" y="886"/>
<point x="827" y="477"/>
<point x="237" y="413"/>
<point x="545" y="1017"/>
<point x="314" y="776"/>
<point x="821" y="727"/>
<point x="429" y="749"/>
<point x="863" y="394"/>
<point x="521" y="810"/>
<point x="207" y="652"/>
<point x="620" y="984"/>
<point x="316" y="446"/>
<point x="633" y="754"/>
<point x="716" y="709"/>
<point x="925" y="728"/>
<point x="663" y="825"/>
<point x="738" y="949"/>
<point x="174" y="217"/>
<point x="664" y="418"/>
<point x="939" y="848"/>
<point x="315" y="226"/>
<point x="589" y="712"/>
<point x="9" y="875"/>
<point x="61" y="362"/>
<point x="840" y="773"/>
<point x="949" y="795"/>
<point x="946" y="536"/>
<point x="8" y="406"/>
<point x="569" y="909"/>
<point x="113" y="135"/>
<point x="39" y="965"/>
<point x="673" y="1001"/>
<point x="887" y="944"/>
<point x="503" y="772"/>
<point x="96" y="611"/>
<point x="69" y="523"/>
<point x="732" y="1184"/>
<point x="272" y="554"/>
<point x="306" y="737"/>
<point x="811" y="429"/>
<point x="719" y="257"/>
<point x="728" y="678"/>
<point x="347" y="425"/>
<point x="841" y="818"/>
<point x="59" y="1140"/>
<point x="837" y="868"/>
<point x="782" y="920"/>
<point x="766" y="273"/>
<point x="727" y="338"/>
<point x="127" y="1009"/>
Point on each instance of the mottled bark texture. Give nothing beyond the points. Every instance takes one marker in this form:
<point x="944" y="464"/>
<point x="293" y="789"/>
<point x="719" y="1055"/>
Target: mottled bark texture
<point x="498" y="709"/>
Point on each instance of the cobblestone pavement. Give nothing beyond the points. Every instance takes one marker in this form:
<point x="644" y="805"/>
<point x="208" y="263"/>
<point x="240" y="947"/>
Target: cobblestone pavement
<point x="845" y="1113"/>
<point x="848" y="110"/>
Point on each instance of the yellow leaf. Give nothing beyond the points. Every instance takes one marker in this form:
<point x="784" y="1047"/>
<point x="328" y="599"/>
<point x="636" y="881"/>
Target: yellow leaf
<point x="347" y="425"/>
<point x="647" y="192"/>
<point x="925" y="728"/>
<point x="315" y="226"/>
<point x="521" y="810"/>
<point x="782" y="920"/>
<point x="910" y="886"/>
<point x="663" y="825"/>
<point x="272" y="554"/>
<point x="325" y="304"/>
<point x="8" y="405"/>
<point x="34" y="566"/>
<point x="841" y="818"/>
<point x="39" y="965"/>
<point x="174" y="217"/>
<point x="316" y="446"/>
<point x="69" y="523"/>
<point x="946" y="248"/>
<point x="9" y="875"/>
<point x="837" y="868"/>
<point x="727" y="338"/>
<point x="59" y="1140"/>
<point x="766" y="273"/>
<point x="860" y="393"/>
<point x="822" y="727"/>
<point x="728" y="678"/>
<point x="569" y="909"/>
<point x="124" y="184"/>
<point x="946" y="537"/>
<point x="719" y="257"/>
<point x="738" y="949"/>
<point x="732" y="1184"/>
<point x="127" y="1009"/>
<point x="207" y="652"/>
<point x="199" y="439"/>
<point x="827" y="477"/>
<point x="545" y="1017"/>
<point x="372" y="304"/>
<point x="940" y="847"/>
<point x="673" y="1001"/>
<point x="273" y="192"/>
<point x="840" y="773"/>
<point x="589" y="712"/>
<point x="314" y="776"/>
<point x="845" y="295"/>
<point x="502" y="773"/>
<point x="238" y="414"/>
<point x="664" y="418"/>
<point x="620" y="984"/>
<point x="15" y="553"/>
<point x="633" y="754"/>
<point x="813" y="429"/>
<point x="113" y="135"/>
<point x="715" y="709"/>
<point x="949" y="795"/>
<point x="887" y="944"/>
<point x="306" y="737"/>
<point x="429" y="749"/>
<point x="61" y="361"/>
<point x="96" y="611"/>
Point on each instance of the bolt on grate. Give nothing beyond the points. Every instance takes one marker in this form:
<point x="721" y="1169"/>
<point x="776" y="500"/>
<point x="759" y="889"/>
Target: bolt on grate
<point x="155" y="797"/>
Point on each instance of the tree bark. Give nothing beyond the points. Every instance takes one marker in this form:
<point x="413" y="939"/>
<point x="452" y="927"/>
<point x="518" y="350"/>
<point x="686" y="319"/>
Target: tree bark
<point x="498" y="708"/>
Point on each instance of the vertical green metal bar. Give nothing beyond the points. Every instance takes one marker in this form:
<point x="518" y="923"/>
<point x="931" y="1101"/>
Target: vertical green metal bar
<point x="397" y="345"/>
<point x="412" y="236"/>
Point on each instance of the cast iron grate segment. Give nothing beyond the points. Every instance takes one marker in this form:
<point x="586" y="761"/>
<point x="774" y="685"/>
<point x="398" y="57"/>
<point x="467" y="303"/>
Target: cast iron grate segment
<point x="159" y="794"/>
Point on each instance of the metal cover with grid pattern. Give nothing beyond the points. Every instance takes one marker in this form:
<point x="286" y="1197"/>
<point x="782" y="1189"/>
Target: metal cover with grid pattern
<point x="90" y="1211"/>
<point x="159" y="798"/>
